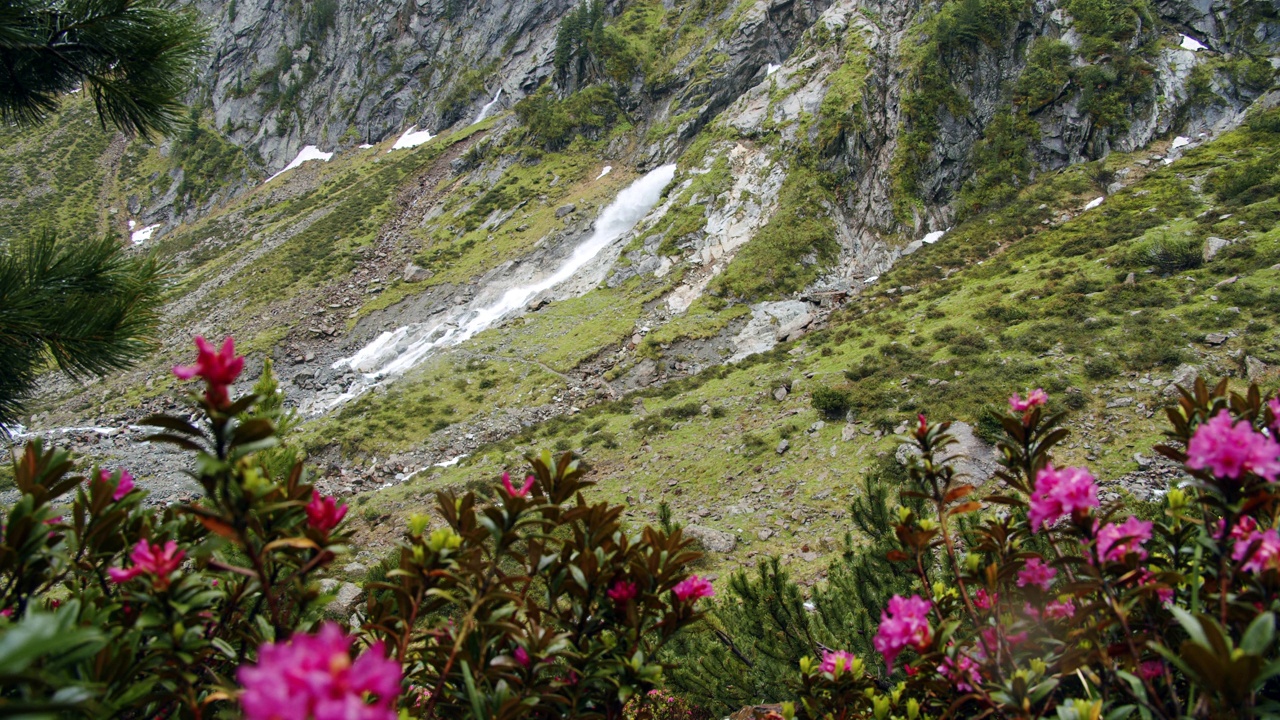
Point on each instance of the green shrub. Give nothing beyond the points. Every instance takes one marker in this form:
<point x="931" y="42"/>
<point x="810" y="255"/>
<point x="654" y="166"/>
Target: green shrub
<point x="831" y="402"/>
<point x="1236" y="182"/>
<point x="1101" y="368"/>
<point x="1168" y="252"/>
<point x="1048" y="71"/>
<point x="553" y="123"/>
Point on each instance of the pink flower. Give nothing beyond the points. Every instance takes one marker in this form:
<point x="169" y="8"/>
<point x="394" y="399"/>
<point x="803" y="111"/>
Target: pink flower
<point x="962" y="671"/>
<point x="692" y="588"/>
<point x="1260" y="550"/>
<point x="6" y="613"/>
<point x="512" y="491"/>
<point x="905" y="624"/>
<point x="622" y="591"/>
<point x="314" y="677"/>
<point x="124" y="487"/>
<point x="1035" y="572"/>
<point x="155" y="560"/>
<point x="1056" y="609"/>
<point x="984" y="600"/>
<point x="219" y="368"/>
<point x="1274" y="405"/>
<point x="1117" y="541"/>
<point x="1034" y="398"/>
<point x="1150" y="669"/>
<point x="1060" y="492"/>
<point x="522" y="657"/>
<point x="1231" y="449"/>
<point x="1145" y="577"/>
<point x="324" y="513"/>
<point x="836" y="661"/>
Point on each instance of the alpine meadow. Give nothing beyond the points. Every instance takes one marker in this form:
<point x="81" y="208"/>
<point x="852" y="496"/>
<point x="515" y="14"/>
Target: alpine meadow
<point x="640" y="359"/>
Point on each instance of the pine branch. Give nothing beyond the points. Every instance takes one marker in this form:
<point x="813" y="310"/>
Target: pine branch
<point x="136" y="58"/>
<point x="88" y="309"/>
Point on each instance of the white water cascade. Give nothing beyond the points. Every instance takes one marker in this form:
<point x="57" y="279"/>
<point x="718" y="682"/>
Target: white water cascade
<point x="484" y="111"/>
<point x="396" y="351"/>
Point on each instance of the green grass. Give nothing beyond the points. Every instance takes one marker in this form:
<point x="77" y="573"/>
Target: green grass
<point x="1032" y="305"/>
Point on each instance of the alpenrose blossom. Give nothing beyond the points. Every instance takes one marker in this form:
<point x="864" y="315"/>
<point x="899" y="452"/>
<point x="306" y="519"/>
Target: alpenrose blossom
<point x="1060" y="492"/>
<point x="512" y="490"/>
<point x="1274" y="405"/>
<point x="622" y="591"/>
<point x="324" y="513"/>
<point x="1230" y="449"/>
<point x="1259" y="549"/>
<point x="1034" y="398"/>
<point x="1060" y="609"/>
<point x="961" y="671"/>
<point x="155" y="560"/>
<point x="1035" y="572"/>
<point x="904" y="624"/>
<point x="692" y="588"/>
<point x="218" y="368"/>
<point x="834" y="661"/>
<point x="313" y="677"/>
<point x="124" y="487"/>
<point x="1117" y="541"/>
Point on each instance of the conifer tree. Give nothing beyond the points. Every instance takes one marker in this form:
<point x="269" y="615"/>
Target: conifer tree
<point x="84" y="306"/>
<point x="749" y="650"/>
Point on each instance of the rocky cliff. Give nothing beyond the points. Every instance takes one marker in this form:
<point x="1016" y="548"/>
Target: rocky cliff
<point x="915" y="206"/>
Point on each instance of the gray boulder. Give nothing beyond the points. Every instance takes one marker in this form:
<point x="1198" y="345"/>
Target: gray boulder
<point x="712" y="540"/>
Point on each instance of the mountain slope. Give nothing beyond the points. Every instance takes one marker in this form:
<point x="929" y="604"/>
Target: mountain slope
<point x="902" y="198"/>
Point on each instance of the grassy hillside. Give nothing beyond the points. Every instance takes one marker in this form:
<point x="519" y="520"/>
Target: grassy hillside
<point x="1033" y="294"/>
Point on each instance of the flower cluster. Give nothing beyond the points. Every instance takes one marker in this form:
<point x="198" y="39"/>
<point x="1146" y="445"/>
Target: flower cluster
<point x="1232" y="449"/>
<point x="693" y="588"/>
<point x="324" y="513"/>
<point x="1136" y="617"/>
<point x="313" y="677"/>
<point x="1061" y="492"/>
<point x="905" y="624"/>
<point x="158" y="561"/>
<point x="122" y="488"/>
<point x="218" y="368"/>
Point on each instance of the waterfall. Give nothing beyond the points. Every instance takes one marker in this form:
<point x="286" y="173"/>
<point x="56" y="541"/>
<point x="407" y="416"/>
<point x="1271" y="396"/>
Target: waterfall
<point x="484" y="111"/>
<point x="396" y="351"/>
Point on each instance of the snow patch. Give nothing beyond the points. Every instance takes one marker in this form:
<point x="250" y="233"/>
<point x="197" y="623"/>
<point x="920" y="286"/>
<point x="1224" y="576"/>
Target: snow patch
<point x="1192" y="44"/>
<point x="1180" y="141"/>
<point x="412" y="138"/>
<point x="140" y="236"/>
<point x="933" y="237"/>
<point x="771" y="69"/>
<point x="364" y="146"/>
<point x="1093" y="203"/>
<point x="450" y="463"/>
<point x="394" y="352"/>
<point x="133" y="224"/>
<point x="307" y="154"/>
<point x="871" y="279"/>
<point x="607" y="169"/>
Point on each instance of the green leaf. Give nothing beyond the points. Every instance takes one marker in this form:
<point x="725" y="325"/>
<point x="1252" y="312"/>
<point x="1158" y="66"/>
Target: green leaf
<point x="1190" y="625"/>
<point x="1258" y="636"/>
<point x="472" y="695"/>
<point x="225" y="648"/>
